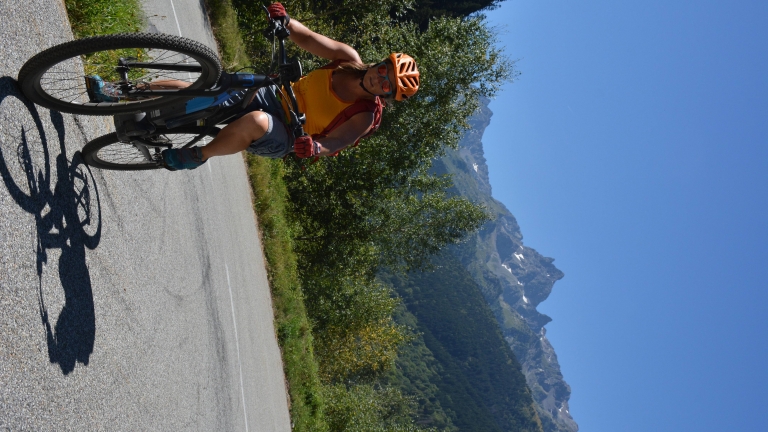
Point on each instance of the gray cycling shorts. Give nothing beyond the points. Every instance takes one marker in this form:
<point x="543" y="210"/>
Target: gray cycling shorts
<point x="278" y="140"/>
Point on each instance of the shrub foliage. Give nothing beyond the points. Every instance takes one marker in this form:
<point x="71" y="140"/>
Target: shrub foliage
<point x="377" y="205"/>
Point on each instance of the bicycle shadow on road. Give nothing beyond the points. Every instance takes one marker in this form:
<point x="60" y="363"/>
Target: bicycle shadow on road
<point x="62" y="197"/>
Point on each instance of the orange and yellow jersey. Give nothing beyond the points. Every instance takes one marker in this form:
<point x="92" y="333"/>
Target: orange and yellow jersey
<point x="316" y="98"/>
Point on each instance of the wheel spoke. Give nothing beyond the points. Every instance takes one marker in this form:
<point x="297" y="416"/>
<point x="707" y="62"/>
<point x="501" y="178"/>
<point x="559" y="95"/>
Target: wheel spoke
<point x="127" y="154"/>
<point x="58" y="77"/>
<point x="65" y="84"/>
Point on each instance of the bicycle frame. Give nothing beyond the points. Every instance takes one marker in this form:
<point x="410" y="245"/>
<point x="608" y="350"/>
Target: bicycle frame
<point x="205" y="110"/>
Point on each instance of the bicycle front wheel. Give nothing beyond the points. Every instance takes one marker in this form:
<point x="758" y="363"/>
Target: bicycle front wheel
<point x="108" y="152"/>
<point x="56" y="78"/>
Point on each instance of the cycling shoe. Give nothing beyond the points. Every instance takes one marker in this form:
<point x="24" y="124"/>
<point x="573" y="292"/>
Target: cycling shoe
<point x="183" y="158"/>
<point x="100" y="91"/>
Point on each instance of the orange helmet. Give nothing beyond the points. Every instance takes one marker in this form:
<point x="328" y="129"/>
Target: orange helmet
<point x="406" y="75"/>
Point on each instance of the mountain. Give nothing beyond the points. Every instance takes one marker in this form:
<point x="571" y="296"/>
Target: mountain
<point x="480" y="359"/>
<point x="478" y="382"/>
<point x="513" y="278"/>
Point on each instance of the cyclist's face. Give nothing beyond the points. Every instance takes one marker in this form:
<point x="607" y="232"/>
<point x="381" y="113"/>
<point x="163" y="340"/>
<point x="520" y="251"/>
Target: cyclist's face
<point x="382" y="79"/>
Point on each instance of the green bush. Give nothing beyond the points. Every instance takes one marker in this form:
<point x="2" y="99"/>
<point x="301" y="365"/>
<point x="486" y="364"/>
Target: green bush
<point x="369" y="408"/>
<point x="355" y="334"/>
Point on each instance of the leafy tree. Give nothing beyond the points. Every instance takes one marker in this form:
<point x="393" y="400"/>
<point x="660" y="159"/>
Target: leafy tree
<point x="359" y="196"/>
<point x="369" y="408"/>
<point x="423" y="11"/>
<point x="337" y="19"/>
<point x="355" y="333"/>
<point x="379" y="196"/>
<point x="377" y="204"/>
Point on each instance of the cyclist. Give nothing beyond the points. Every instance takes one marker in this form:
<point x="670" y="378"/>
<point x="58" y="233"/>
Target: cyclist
<point x="322" y="95"/>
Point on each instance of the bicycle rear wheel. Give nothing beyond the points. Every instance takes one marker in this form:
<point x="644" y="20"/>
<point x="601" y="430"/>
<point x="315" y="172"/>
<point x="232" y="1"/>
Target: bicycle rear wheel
<point x="108" y="152"/>
<point x="56" y="77"/>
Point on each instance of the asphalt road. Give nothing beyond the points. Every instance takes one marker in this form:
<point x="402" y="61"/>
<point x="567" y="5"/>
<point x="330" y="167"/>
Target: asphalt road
<point x="128" y="301"/>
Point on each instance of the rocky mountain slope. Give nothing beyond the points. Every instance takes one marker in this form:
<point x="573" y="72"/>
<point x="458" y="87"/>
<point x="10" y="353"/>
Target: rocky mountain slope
<point x="514" y="279"/>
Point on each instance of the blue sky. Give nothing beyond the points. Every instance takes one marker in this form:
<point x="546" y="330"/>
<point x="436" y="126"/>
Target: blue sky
<point x="633" y="149"/>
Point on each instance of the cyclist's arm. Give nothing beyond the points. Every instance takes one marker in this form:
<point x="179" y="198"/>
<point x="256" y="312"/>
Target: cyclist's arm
<point x="346" y="134"/>
<point x="320" y="45"/>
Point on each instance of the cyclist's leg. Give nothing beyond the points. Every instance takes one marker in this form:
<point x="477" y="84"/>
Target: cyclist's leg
<point x="168" y="84"/>
<point x="99" y="90"/>
<point x="238" y="135"/>
<point x="257" y="131"/>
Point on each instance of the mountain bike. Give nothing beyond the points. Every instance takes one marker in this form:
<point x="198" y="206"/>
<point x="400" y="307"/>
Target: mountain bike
<point x="149" y="117"/>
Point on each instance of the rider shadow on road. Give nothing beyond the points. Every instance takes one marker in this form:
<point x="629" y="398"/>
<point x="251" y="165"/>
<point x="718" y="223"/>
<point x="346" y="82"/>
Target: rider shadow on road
<point x="62" y="197"/>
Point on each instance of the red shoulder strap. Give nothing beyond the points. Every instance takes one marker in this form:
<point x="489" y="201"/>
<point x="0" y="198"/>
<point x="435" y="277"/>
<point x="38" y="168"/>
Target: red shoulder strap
<point x="377" y="112"/>
<point x="361" y="105"/>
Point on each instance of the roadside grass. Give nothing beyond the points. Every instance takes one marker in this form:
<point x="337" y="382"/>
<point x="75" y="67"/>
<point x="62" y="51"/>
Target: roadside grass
<point x="97" y="17"/>
<point x="293" y="327"/>
<point x="224" y="22"/>
<point x="94" y="17"/>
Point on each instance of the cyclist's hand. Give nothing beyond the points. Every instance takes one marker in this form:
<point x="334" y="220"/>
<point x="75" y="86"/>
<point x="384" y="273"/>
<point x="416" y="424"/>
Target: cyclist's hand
<point x="277" y="12"/>
<point x="305" y="147"/>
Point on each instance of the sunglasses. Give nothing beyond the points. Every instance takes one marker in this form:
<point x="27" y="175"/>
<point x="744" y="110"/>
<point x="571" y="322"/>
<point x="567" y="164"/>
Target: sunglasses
<point x="383" y="70"/>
